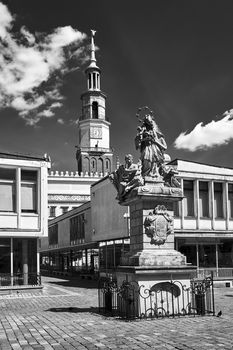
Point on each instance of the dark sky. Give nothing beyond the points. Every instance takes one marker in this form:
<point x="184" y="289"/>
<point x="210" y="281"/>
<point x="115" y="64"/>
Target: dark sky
<point x="174" y="56"/>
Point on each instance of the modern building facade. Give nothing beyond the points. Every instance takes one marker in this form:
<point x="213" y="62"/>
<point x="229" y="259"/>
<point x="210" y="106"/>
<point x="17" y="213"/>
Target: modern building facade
<point x="23" y="217"/>
<point x="204" y="219"/>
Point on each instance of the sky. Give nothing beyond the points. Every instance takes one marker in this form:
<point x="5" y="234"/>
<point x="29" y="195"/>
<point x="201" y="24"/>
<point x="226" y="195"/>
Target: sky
<point x="175" y="56"/>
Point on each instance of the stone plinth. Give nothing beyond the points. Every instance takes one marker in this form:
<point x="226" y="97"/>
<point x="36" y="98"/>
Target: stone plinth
<point x="142" y="202"/>
<point x="149" y="260"/>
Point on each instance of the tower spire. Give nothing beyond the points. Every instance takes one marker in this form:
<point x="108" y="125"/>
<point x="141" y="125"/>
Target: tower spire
<point x="93" y="58"/>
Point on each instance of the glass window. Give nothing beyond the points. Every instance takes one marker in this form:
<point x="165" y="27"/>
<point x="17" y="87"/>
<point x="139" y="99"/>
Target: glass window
<point x="53" y="235"/>
<point x="7" y="190"/>
<point x="94" y="80"/>
<point x="52" y="211"/>
<point x="218" y="200"/>
<point x="95" y="110"/>
<point x="176" y="209"/>
<point x="89" y="81"/>
<point x="28" y="191"/>
<point x="5" y="257"/>
<point x="203" y="199"/>
<point x="77" y="229"/>
<point x="230" y="200"/>
<point x="64" y="209"/>
<point x="225" y="254"/>
<point x="207" y="255"/>
<point x="189" y="251"/>
<point x="188" y="198"/>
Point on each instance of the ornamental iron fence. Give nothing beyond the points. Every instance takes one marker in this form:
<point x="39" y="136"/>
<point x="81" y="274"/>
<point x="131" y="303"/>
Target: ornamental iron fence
<point x="163" y="299"/>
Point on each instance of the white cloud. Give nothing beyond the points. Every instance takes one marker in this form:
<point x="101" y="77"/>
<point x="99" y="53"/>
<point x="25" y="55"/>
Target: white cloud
<point x="56" y="105"/>
<point x="47" y="113"/>
<point x="215" y="133"/>
<point x="6" y="20"/>
<point x="30" y="60"/>
<point x="60" y="121"/>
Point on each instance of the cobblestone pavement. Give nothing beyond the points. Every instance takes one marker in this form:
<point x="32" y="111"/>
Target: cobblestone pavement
<point x="64" y="317"/>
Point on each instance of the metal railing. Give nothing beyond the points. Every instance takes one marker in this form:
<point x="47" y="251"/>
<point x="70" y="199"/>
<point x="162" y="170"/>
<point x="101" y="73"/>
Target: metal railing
<point x="163" y="299"/>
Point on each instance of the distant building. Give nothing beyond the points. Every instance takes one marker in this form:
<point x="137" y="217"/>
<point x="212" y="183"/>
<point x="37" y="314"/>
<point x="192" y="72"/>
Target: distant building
<point x="203" y="223"/>
<point x="23" y="218"/>
<point x="94" y="154"/>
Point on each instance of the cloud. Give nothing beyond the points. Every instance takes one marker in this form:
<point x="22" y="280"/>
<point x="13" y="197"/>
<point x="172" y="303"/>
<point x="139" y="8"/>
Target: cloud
<point x="32" y="67"/>
<point x="60" y="121"/>
<point x="216" y="133"/>
<point x="47" y="113"/>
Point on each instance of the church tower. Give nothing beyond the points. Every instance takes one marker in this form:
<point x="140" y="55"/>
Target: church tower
<point x="93" y="151"/>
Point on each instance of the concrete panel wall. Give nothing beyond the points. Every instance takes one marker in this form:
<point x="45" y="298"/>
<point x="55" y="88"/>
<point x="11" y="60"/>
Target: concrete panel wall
<point x="109" y="219"/>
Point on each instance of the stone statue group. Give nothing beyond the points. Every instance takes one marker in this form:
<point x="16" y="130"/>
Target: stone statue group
<point x="152" y="145"/>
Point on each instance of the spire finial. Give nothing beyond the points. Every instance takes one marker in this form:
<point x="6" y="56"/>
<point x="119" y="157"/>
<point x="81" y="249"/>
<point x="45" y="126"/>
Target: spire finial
<point x="93" y="59"/>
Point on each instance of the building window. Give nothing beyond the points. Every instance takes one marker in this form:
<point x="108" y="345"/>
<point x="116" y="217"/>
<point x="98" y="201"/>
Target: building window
<point x="107" y="164"/>
<point x="230" y="200"/>
<point x="94" y="80"/>
<point x="98" y="81"/>
<point x="89" y="81"/>
<point x="93" y="165"/>
<point x="77" y="229"/>
<point x="53" y="235"/>
<point x="218" y="200"/>
<point x="176" y="209"/>
<point x="207" y="255"/>
<point x="203" y="199"/>
<point x="189" y="198"/>
<point x="7" y="190"/>
<point x="52" y="211"/>
<point x="28" y="191"/>
<point x="95" y="110"/>
<point x="64" y="209"/>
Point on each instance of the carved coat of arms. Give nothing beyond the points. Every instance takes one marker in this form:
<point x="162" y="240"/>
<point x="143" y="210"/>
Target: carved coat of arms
<point x="158" y="225"/>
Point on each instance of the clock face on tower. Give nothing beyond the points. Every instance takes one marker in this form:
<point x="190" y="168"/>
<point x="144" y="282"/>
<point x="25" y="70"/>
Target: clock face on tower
<point x="96" y="132"/>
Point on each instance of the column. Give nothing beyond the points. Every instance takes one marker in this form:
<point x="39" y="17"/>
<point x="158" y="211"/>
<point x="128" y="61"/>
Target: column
<point x="226" y="199"/>
<point x="12" y="263"/>
<point x="182" y="206"/>
<point x="196" y="203"/>
<point x="211" y="201"/>
<point x="18" y="197"/>
<point x="25" y="260"/>
<point x="38" y="257"/>
<point x="216" y="260"/>
<point x="114" y="255"/>
<point x="197" y="252"/>
<point x="86" y="257"/>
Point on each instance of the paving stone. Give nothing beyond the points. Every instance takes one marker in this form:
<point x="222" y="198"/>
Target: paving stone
<point x="63" y="318"/>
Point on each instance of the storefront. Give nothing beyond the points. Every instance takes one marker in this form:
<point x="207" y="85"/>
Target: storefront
<point x="215" y="255"/>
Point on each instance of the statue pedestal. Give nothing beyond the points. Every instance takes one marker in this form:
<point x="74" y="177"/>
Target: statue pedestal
<point x="152" y="258"/>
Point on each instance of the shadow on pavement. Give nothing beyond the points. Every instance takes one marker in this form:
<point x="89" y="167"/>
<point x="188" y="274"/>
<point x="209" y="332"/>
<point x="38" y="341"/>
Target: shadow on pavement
<point x="74" y="309"/>
<point x="77" y="282"/>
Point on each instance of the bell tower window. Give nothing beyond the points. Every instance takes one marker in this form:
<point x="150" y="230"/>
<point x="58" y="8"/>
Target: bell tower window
<point x="89" y="81"/>
<point x="95" y="110"/>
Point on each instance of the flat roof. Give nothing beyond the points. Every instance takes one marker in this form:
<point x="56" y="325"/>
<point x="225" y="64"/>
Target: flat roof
<point x="172" y="162"/>
<point x="17" y="155"/>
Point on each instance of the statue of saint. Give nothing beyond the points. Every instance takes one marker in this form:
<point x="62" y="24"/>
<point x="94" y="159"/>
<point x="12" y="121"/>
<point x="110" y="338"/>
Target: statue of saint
<point x="126" y="177"/>
<point x="152" y="145"/>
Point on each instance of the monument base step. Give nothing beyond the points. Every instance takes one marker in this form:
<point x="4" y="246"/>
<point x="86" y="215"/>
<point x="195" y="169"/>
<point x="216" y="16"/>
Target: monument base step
<point x="154" y="258"/>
